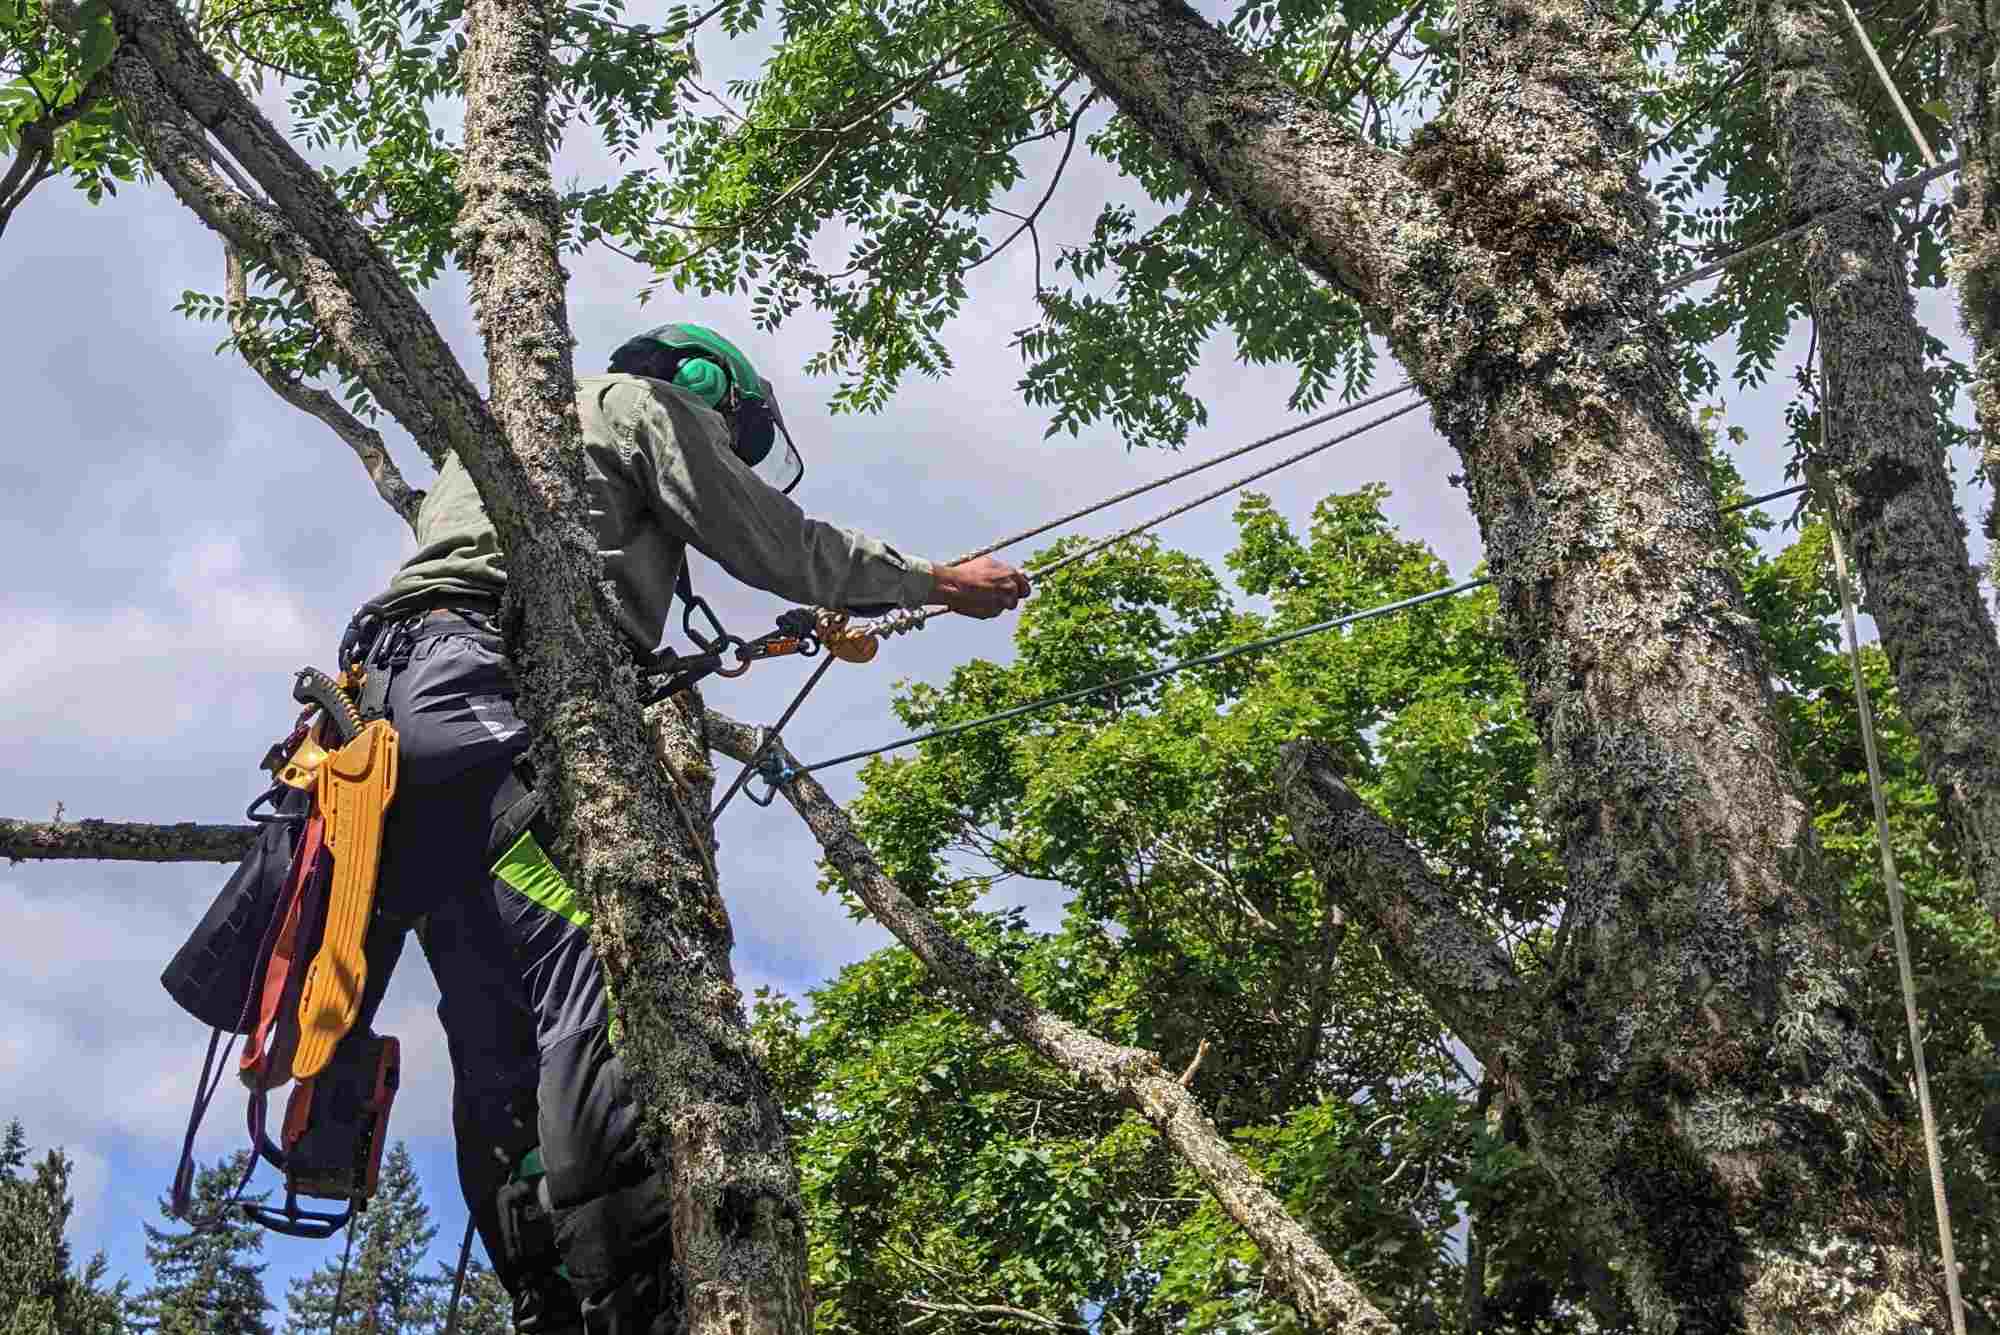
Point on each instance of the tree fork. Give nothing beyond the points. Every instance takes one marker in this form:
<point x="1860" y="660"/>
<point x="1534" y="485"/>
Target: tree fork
<point x="684" y="1034"/>
<point x="1699" y="1052"/>
<point x="659" y="922"/>
<point x="1890" y="488"/>
<point x="1324" y="1296"/>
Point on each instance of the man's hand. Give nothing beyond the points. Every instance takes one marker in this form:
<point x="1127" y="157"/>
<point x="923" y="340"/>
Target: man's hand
<point x="981" y="587"/>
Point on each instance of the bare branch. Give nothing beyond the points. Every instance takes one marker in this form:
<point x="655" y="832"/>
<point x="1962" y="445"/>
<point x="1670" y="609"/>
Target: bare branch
<point x="994" y="1310"/>
<point x="1324" y="1296"/>
<point x="113" y="841"/>
<point x="364" y="440"/>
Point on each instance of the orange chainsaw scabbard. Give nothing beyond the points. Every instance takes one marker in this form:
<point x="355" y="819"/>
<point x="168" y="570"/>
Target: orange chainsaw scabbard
<point x="355" y="786"/>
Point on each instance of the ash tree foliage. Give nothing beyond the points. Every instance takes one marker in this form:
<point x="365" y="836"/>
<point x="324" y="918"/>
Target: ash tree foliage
<point x="206" y="1281"/>
<point x="42" y="1290"/>
<point x="954" y="1181"/>
<point x="390" y="1287"/>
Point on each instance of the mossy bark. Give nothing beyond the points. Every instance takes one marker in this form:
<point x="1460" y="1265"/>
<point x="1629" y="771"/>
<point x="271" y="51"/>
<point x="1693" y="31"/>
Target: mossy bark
<point x="1972" y="46"/>
<point x="116" y="841"/>
<point x="1696" y="1075"/>
<point x="658" y="925"/>
<point x="1886" y="476"/>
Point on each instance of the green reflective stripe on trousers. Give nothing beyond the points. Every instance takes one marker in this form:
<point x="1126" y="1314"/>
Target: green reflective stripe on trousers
<point x="528" y="869"/>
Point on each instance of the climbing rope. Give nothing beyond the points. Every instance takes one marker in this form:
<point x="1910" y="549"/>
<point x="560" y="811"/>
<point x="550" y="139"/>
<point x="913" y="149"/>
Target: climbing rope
<point x="340" y="1286"/>
<point x="787" y="773"/>
<point x="458" y="1280"/>
<point x="859" y="643"/>
<point x="1892" y="881"/>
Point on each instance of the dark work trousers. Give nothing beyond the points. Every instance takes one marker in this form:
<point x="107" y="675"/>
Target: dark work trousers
<point x="523" y="1005"/>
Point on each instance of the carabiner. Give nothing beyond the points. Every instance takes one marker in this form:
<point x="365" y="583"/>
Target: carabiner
<point x="698" y="603"/>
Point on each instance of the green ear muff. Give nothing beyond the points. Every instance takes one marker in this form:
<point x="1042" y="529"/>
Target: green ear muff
<point x="714" y="370"/>
<point x="705" y="379"/>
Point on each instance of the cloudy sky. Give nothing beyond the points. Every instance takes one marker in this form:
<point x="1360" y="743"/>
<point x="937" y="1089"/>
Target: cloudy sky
<point x="178" y="542"/>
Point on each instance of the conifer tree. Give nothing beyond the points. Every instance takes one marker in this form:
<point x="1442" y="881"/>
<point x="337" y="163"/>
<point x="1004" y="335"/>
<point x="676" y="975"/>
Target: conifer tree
<point x="204" y="1282"/>
<point x="483" y="1309"/>
<point x="388" y="1289"/>
<point x="39" y="1293"/>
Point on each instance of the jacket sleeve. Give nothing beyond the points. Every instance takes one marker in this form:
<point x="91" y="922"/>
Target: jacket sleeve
<point x="704" y="495"/>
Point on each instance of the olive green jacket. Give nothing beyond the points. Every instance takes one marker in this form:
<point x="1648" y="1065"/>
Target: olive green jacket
<point x="661" y="478"/>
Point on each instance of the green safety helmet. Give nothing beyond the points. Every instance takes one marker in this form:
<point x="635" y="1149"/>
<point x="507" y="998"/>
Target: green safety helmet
<point x="714" y="370"/>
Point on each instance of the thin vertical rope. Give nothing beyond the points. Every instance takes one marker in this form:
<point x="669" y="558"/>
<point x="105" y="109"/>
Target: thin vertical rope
<point x="1894" y="883"/>
<point x="458" y="1280"/>
<point x="340" y="1288"/>
<point x="1909" y="121"/>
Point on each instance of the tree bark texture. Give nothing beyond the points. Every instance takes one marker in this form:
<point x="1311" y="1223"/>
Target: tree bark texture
<point x="1325" y="1297"/>
<point x="1972" y="45"/>
<point x="660" y="926"/>
<point x="115" y="841"/>
<point x="1696" y="1077"/>
<point x="1887" y="478"/>
<point x="657" y="924"/>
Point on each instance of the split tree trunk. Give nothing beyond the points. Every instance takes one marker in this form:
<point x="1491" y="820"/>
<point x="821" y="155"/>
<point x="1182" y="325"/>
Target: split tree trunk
<point x="658" y="927"/>
<point x="1697" y="1080"/>
<point x="1888" y="480"/>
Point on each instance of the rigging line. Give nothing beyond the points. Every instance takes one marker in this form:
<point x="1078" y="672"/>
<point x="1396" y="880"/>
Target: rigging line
<point x="1947" y="1253"/>
<point x="458" y="1280"/>
<point x="1204" y="660"/>
<point x="770" y="736"/>
<point x="916" y="618"/>
<point x="1189" y="471"/>
<point x="340" y="1288"/>
<point x="1894" y="885"/>
<point x="897" y="623"/>
<point x="1909" y="185"/>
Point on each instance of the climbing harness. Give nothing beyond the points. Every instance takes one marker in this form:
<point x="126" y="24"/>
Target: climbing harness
<point x="285" y="935"/>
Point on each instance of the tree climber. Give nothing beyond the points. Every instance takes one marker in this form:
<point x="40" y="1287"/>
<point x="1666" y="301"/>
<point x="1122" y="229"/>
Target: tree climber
<point x="683" y="445"/>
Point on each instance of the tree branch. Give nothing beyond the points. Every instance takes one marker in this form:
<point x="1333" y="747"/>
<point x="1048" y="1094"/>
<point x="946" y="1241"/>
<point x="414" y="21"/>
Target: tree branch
<point x="1384" y="885"/>
<point x="1324" y="1296"/>
<point x="305" y="233"/>
<point x="364" y="440"/>
<point x="1289" y="167"/>
<point x="177" y="150"/>
<point x="994" y="1310"/>
<point x="112" y="841"/>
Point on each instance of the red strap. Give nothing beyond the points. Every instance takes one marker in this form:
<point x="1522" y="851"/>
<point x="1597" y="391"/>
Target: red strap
<point x="283" y="954"/>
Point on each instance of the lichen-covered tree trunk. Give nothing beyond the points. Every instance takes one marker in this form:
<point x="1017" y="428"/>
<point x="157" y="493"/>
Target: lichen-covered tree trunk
<point x="1884" y="468"/>
<point x="1697" y="1078"/>
<point x="659" y="926"/>
<point x="1972" y="45"/>
<point x="658" y="922"/>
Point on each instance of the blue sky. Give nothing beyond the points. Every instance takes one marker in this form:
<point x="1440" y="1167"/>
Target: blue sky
<point x="178" y="542"/>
